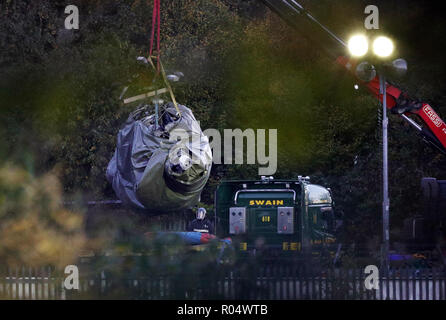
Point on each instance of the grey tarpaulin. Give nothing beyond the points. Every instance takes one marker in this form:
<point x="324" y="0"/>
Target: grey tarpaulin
<point x="162" y="169"/>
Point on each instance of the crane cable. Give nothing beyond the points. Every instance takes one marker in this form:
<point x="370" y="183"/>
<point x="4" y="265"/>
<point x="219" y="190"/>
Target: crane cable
<point x="156" y="19"/>
<point x="156" y="22"/>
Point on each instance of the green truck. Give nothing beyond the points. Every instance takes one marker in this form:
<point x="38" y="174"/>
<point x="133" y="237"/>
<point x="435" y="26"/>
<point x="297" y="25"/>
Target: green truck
<point x="290" y="216"/>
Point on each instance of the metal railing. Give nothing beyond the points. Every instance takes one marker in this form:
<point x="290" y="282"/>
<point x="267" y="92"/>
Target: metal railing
<point x="270" y="282"/>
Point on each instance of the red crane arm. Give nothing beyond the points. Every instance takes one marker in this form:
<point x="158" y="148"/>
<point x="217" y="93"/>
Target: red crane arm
<point x="395" y="97"/>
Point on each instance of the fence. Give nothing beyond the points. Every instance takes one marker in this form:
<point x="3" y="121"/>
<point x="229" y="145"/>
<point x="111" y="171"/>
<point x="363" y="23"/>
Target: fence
<point x="268" y="282"/>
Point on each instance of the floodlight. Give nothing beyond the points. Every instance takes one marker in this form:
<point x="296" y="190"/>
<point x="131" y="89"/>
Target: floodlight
<point x="358" y="45"/>
<point x="383" y="47"/>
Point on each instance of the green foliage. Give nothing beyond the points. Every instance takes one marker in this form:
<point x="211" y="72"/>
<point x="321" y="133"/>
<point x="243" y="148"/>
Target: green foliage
<point x="35" y="230"/>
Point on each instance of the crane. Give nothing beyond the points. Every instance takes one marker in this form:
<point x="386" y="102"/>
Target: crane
<point x="399" y="102"/>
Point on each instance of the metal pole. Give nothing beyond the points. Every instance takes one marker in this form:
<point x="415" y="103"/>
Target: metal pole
<point x="156" y="109"/>
<point x="386" y="202"/>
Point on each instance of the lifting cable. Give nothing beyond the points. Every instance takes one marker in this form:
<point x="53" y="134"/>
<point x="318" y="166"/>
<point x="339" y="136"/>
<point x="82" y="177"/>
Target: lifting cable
<point x="156" y="18"/>
<point x="156" y="22"/>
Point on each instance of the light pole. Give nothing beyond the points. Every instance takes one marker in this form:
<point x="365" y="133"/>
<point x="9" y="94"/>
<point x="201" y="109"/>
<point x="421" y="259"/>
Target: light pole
<point x="383" y="49"/>
<point x="386" y="201"/>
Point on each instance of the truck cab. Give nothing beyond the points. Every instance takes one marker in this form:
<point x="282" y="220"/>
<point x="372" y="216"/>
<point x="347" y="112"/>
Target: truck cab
<point x="285" y="215"/>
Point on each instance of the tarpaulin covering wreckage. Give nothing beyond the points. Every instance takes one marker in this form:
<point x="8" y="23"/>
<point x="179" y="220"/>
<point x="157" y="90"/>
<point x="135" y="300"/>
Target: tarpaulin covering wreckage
<point x="160" y="167"/>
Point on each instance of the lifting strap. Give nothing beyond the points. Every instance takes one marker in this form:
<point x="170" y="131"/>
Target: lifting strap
<point x="156" y="20"/>
<point x="166" y="82"/>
